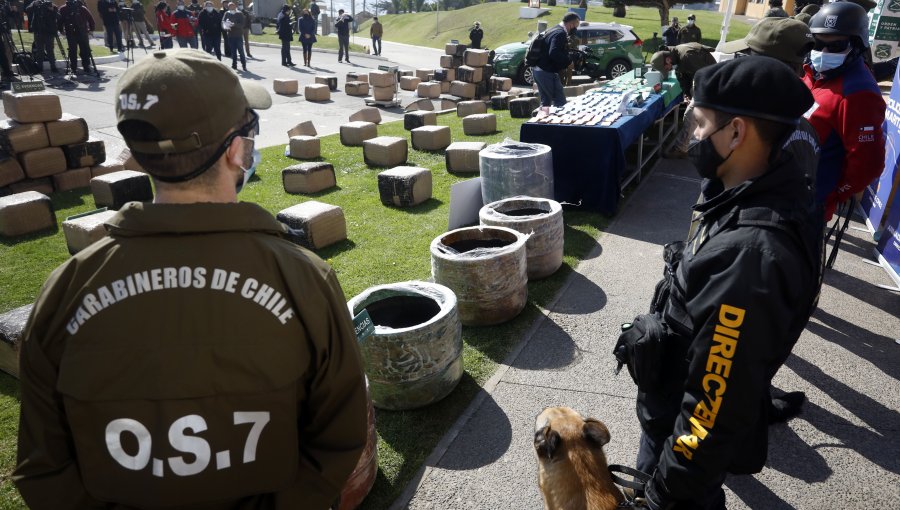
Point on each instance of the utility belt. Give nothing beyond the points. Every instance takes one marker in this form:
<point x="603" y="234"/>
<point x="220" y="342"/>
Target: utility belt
<point x="641" y="346"/>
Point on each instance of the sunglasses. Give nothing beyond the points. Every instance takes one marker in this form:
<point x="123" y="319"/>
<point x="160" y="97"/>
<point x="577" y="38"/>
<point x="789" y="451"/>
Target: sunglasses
<point x="832" y="46"/>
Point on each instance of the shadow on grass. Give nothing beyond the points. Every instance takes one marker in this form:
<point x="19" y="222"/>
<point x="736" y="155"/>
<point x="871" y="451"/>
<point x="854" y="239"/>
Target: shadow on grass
<point x="425" y="207"/>
<point x="335" y="249"/>
<point x="73" y="198"/>
<point x="13" y="241"/>
<point x="9" y="386"/>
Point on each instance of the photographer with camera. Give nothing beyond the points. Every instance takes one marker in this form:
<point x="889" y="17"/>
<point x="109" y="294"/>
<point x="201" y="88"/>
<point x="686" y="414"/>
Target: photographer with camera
<point x="109" y="13"/>
<point x="134" y="23"/>
<point x="6" y="73"/>
<point x="43" y="17"/>
<point x="77" y="23"/>
<point x="209" y="22"/>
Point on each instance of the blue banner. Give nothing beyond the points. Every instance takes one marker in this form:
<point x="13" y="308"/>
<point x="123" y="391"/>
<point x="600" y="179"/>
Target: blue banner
<point x="889" y="245"/>
<point x="877" y="195"/>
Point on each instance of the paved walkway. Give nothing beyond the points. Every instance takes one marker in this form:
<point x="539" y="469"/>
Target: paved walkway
<point x="842" y="452"/>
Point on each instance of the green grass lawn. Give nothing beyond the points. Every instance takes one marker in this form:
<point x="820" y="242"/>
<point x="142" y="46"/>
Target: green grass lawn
<point x="322" y="42"/>
<point x="384" y="245"/>
<point x="502" y="25"/>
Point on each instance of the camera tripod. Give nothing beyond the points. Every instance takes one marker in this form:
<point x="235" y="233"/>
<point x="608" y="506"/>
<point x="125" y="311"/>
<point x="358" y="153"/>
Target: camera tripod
<point x="129" y="36"/>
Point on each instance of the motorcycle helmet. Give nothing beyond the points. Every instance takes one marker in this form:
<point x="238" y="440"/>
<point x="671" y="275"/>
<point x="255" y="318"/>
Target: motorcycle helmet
<point x="842" y="18"/>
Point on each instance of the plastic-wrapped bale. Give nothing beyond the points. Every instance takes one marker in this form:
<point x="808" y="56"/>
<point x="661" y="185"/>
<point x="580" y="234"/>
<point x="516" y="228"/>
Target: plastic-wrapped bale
<point x="44" y="185"/>
<point x="43" y="162"/>
<point x="385" y="151"/>
<point x="383" y="93"/>
<point x="449" y="101"/>
<point x="522" y="107"/>
<point x="306" y="128"/>
<point x="368" y="114"/>
<point x="16" y="137"/>
<point x="329" y="80"/>
<point x="451" y="61"/>
<point x="25" y="213"/>
<point x="404" y="186"/>
<point x="422" y="74"/>
<point x="469" y="74"/>
<point x="354" y="76"/>
<point x="448" y="75"/>
<point x="409" y="82"/>
<point x="67" y="130"/>
<point x="413" y="120"/>
<point x="445" y="87"/>
<point x="486" y="268"/>
<point x="308" y="177"/>
<point x="361" y="480"/>
<point x="285" y="87"/>
<point x="382" y="78"/>
<point x="462" y="157"/>
<point x="466" y="108"/>
<point x="305" y="147"/>
<point x="10" y="171"/>
<point x="356" y="88"/>
<point x="500" y="84"/>
<point x="353" y="134"/>
<point x="414" y="357"/>
<point x="406" y="72"/>
<point x="430" y="138"/>
<point x="420" y="104"/>
<point x="440" y="75"/>
<point x="463" y="89"/>
<point x="317" y="92"/>
<point x="74" y="178"/>
<point x="476" y="58"/>
<point x="118" y="188"/>
<point x="89" y="153"/>
<point x="315" y="225"/>
<point x="32" y="106"/>
<point x="455" y="49"/>
<point x="107" y="167"/>
<point x="500" y="102"/>
<point x="480" y="124"/>
<point x="511" y="168"/>
<point x="12" y="326"/>
<point x="85" y="229"/>
<point x="542" y="219"/>
<point x="429" y="89"/>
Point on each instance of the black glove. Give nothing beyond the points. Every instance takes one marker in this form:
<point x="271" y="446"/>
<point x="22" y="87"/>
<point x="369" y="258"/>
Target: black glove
<point x="656" y="495"/>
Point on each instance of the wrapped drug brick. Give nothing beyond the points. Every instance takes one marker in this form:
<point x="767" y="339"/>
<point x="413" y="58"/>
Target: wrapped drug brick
<point x="330" y="80"/>
<point x="16" y="137"/>
<point x="420" y="104"/>
<point x="118" y="188"/>
<point x="429" y="90"/>
<point x="308" y="177"/>
<point x="368" y="114"/>
<point x="285" y="87"/>
<point x="422" y="74"/>
<point x="67" y="130"/>
<point x="28" y="107"/>
<point x="500" y="84"/>
<point x="430" y="138"/>
<point x="463" y="89"/>
<point x="445" y="87"/>
<point x="84" y="230"/>
<point x="449" y="62"/>
<point x="383" y="93"/>
<point x="43" y="162"/>
<point x="305" y="147"/>
<point x="353" y="134"/>
<point x="354" y="76"/>
<point x="305" y="128"/>
<point x="522" y="107"/>
<point x="487" y="72"/>
<point x="409" y="82"/>
<point x="25" y="213"/>
<point x="413" y="120"/>
<point x="476" y="58"/>
<point x="480" y="124"/>
<point x="12" y="327"/>
<point x="468" y="74"/>
<point x="108" y="167"/>
<point x="500" y="102"/>
<point x="404" y="186"/>
<point x="449" y="101"/>
<point x="466" y="108"/>
<point x="382" y="79"/>
<point x="356" y="88"/>
<point x="10" y="171"/>
<point x="74" y="178"/>
<point x="462" y="157"/>
<point x="89" y="153"/>
<point x="314" y="224"/>
<point x="317" y="92"/>
<point x="44" y="186"/>
<point x="385" y="151"/>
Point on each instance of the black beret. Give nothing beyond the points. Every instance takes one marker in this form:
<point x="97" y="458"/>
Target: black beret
<point x="755" y="86"/>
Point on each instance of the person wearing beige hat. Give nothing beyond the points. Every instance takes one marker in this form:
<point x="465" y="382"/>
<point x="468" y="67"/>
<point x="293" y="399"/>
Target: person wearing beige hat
<point x="194" y="357"/>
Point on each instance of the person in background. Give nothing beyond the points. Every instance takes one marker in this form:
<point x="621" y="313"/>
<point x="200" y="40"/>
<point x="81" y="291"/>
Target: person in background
<point x="475" y="36"/>
<point x="245" y="31"/>
<point x="554" y="58"/>
<point x="140" y="23"/>
<point x="218" y="401"/>
<point x="15" y="13"/>
<point x="285" y="31"/>
<point x="194" y="8"/>
<point x="109" y="13"/>
<point x="43" y="18"/>
<point x="76" y="22"/>
<point x="225" y="43"/>
<point x="164" y="25"/>
<point x="670" y="34"/>
<point x="314" y="11"/>
<point x="776" y="10"/>
<point x="307" y="28"/>
<point x="210" y="25"/>
<point x="849" y="109"/>
<point x="233" y="24"/>
<point x="690" y="32"/>
<point x="375" y="32"/>
<point x="184" y="25"/>
<point x="342" y="26"/>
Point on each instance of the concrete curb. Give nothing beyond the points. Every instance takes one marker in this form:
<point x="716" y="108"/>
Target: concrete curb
<point x="321" y="50"/>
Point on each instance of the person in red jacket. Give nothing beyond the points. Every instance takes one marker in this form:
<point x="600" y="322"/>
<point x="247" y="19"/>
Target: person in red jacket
<point x="164" y="25"/>
<point x="183" y="24"/>
<point x="848" y="110"/>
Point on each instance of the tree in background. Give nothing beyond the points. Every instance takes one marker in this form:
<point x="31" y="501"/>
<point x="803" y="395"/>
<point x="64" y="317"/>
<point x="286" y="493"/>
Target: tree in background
<point x="663" y="6"/>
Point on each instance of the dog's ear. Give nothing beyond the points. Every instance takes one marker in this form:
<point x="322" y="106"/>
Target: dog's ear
<point x="545" y="442"/>
<point x="595" y="432"/>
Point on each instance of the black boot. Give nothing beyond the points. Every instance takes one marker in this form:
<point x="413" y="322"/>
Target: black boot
<point x="785" y="407"/>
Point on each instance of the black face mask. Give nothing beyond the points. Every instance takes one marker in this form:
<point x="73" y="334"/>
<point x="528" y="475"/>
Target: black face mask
<point x="704" y="156"/>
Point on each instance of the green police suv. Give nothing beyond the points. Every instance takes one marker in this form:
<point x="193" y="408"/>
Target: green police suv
<point x="616" y="47"/>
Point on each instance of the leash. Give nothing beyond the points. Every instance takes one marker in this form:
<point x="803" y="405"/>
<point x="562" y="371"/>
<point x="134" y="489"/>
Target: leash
<point x="635" y="500"/>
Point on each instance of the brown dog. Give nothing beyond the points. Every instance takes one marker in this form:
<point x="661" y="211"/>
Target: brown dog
<point x="572" y="469"/>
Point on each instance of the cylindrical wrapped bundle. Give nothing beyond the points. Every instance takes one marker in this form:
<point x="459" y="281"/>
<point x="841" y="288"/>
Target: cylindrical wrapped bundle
<point x="486" y="268"/>
<point x="511" y="168"/>
<point x="361" y="480"/>
<point x="414" y="357"/>
<point x="539" y="217"/>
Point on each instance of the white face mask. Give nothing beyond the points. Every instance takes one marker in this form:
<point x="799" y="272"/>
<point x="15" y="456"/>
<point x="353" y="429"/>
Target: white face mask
<point x="208" y="9"/>
<point x="824" y="61"/>
<point x="690" y="22"/>
<point x="180" y="7"/>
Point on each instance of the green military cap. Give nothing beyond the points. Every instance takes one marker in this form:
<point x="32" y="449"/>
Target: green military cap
<point x="868" y="5"/>
<point x="189" y="98"/>
<point x="785" y="39"/>
<point x="658" y="60"/>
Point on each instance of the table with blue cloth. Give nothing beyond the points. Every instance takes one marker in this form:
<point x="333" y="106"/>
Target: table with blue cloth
<point x="589" y="161"/>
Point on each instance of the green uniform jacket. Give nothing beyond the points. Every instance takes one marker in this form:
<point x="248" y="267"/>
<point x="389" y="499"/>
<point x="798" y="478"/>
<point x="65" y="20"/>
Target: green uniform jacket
<point x="689" y="34"/>
<point x="193" y="358"/>
<point x="690" y="58"/>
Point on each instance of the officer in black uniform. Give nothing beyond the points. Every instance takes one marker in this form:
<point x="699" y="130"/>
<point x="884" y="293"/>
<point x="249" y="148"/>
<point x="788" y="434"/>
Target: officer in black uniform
<point x="6" y="73"/>
<point x="43" y="17"/>
<point x="739" y="292"/>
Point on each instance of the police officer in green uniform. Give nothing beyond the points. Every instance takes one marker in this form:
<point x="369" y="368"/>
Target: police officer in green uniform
<point x="194" y="358"/>
<point x="690" y="32"/>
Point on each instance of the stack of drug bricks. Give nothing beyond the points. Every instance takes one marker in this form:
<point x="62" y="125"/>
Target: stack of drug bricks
<point x="43" y="149"/>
